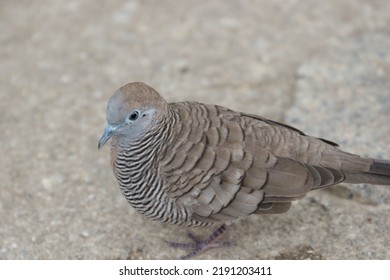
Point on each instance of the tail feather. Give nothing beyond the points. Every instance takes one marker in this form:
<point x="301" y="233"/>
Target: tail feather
<point x="377" y="174"/>
<point x="380" y="167"/>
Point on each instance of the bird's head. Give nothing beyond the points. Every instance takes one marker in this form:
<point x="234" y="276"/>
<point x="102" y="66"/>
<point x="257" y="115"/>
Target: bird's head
<point x="131" y="112"/>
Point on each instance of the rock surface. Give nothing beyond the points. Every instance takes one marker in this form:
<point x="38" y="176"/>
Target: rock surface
<point x="320" y="66"/>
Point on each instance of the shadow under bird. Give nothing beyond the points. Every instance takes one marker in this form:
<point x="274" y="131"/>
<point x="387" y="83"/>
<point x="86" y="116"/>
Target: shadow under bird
<point x="193" y="164"/>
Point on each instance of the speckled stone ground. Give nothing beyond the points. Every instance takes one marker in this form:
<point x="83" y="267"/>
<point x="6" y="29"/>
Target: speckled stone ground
<point x="322" y="66"/>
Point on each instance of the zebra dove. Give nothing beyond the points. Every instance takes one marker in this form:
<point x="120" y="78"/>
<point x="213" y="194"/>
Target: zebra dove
<point x="194" y="164"/>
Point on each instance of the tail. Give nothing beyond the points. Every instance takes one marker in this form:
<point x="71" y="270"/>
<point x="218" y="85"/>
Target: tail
<point x="378" y="173"/>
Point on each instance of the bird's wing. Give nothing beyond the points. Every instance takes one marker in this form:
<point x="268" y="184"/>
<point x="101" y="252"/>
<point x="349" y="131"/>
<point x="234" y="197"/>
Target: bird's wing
<point x="219" y="168"/>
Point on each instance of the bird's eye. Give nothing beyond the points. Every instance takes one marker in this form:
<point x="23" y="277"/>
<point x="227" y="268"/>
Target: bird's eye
<point x="134" y="115"/>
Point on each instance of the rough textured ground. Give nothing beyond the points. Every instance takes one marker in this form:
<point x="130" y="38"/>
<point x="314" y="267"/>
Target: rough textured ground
<point x="323" y="66"/>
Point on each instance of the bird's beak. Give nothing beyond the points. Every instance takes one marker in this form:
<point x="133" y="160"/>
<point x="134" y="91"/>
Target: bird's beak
<point x="107" y="134"/>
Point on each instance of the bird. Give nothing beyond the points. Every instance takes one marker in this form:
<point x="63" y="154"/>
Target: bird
<point x="194" y="164"/>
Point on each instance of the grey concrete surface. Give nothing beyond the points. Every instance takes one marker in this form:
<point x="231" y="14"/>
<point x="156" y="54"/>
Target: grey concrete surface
<point x="323" y="66"/>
